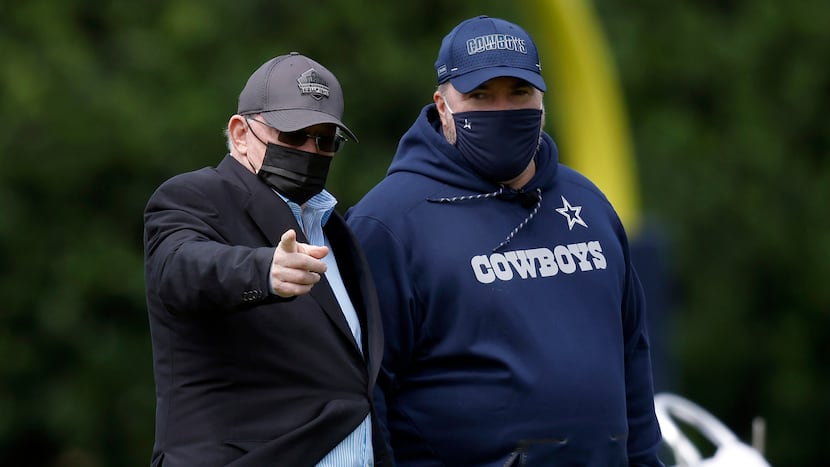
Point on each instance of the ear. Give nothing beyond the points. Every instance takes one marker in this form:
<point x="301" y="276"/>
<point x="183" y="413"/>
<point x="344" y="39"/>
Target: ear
<point x="237" y="132"/>
<point x="441" y="106"/>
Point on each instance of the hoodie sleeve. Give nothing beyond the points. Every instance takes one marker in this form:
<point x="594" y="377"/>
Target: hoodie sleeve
<point x="644" y="432"/>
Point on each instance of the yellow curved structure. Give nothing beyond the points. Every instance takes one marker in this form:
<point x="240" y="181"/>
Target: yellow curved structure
<point x="583" y="93"/>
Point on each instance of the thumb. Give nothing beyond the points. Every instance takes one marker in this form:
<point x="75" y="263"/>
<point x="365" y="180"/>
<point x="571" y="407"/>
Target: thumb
<point x="288" y="241"/>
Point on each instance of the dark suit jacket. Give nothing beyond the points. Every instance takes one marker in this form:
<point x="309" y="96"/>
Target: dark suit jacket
<point x="243" y="377"/>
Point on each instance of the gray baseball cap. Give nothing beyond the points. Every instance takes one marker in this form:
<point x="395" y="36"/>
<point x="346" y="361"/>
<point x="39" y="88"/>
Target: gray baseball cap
<point x="293" y="92"/>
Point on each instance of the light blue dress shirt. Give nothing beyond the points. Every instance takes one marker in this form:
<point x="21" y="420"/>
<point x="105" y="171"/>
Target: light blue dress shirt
<point x="356" y="449"/>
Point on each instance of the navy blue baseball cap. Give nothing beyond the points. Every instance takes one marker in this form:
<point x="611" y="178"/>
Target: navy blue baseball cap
<point x="483" y="48"/>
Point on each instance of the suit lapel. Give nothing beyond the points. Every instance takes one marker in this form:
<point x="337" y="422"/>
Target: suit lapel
<point x="358" y="280"/>
<point x="328" y="301"/>
<point x="265" y="208"/>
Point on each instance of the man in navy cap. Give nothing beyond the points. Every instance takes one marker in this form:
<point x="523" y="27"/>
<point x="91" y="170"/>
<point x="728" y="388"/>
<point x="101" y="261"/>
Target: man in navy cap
<point x="514" y="322"/>
<point x="264" y="320"/>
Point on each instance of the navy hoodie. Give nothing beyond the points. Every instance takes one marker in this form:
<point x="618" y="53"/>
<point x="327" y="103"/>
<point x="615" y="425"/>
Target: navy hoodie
<point x="514" y="322"/>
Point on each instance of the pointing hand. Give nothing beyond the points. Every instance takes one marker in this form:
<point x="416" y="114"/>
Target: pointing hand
<point x="296" y="266"/>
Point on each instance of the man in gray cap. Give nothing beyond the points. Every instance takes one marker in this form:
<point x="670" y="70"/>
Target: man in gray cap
<point x="263" y="316"/>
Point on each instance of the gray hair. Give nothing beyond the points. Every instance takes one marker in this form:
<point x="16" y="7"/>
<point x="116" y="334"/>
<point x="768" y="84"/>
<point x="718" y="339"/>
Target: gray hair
<point x="442" y="88"/>
<point x="228" y="141"/>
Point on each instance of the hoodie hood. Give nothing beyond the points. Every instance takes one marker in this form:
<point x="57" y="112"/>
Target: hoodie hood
<point x="425" y="151"/>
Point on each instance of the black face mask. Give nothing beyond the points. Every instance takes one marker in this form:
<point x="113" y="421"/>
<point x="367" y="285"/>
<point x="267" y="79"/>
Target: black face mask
<point x="297" y="175"/>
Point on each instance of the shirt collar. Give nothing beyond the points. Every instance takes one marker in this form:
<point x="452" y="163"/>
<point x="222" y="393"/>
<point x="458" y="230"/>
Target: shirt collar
<point x="321" y="202"/>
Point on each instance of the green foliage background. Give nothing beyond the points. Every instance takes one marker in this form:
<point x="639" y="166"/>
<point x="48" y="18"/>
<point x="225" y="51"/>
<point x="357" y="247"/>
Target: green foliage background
<point x="102" y="101"/>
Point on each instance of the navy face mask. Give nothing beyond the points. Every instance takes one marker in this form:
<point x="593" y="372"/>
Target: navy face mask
<point x="297" y="174"/>
<point x="498" y="144"/>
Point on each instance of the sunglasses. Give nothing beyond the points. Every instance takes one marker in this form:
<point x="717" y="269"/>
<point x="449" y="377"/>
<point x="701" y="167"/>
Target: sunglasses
<point x="324" y="143"/>
<point x="299" y="137"/>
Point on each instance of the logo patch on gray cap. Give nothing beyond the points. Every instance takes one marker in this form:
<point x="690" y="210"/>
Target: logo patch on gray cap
<point x="312" y="83"/>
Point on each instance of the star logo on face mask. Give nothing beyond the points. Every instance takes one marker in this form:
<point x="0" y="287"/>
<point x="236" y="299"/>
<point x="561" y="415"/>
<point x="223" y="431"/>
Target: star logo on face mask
<point x="571" y="213"/>
<point x="467" y="124"/>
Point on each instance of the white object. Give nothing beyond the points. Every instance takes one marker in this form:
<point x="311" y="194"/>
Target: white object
<point x="730" y="451"/>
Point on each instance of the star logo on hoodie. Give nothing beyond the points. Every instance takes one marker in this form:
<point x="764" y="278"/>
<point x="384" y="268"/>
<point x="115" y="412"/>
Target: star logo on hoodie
<point x="572" y="214"/>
